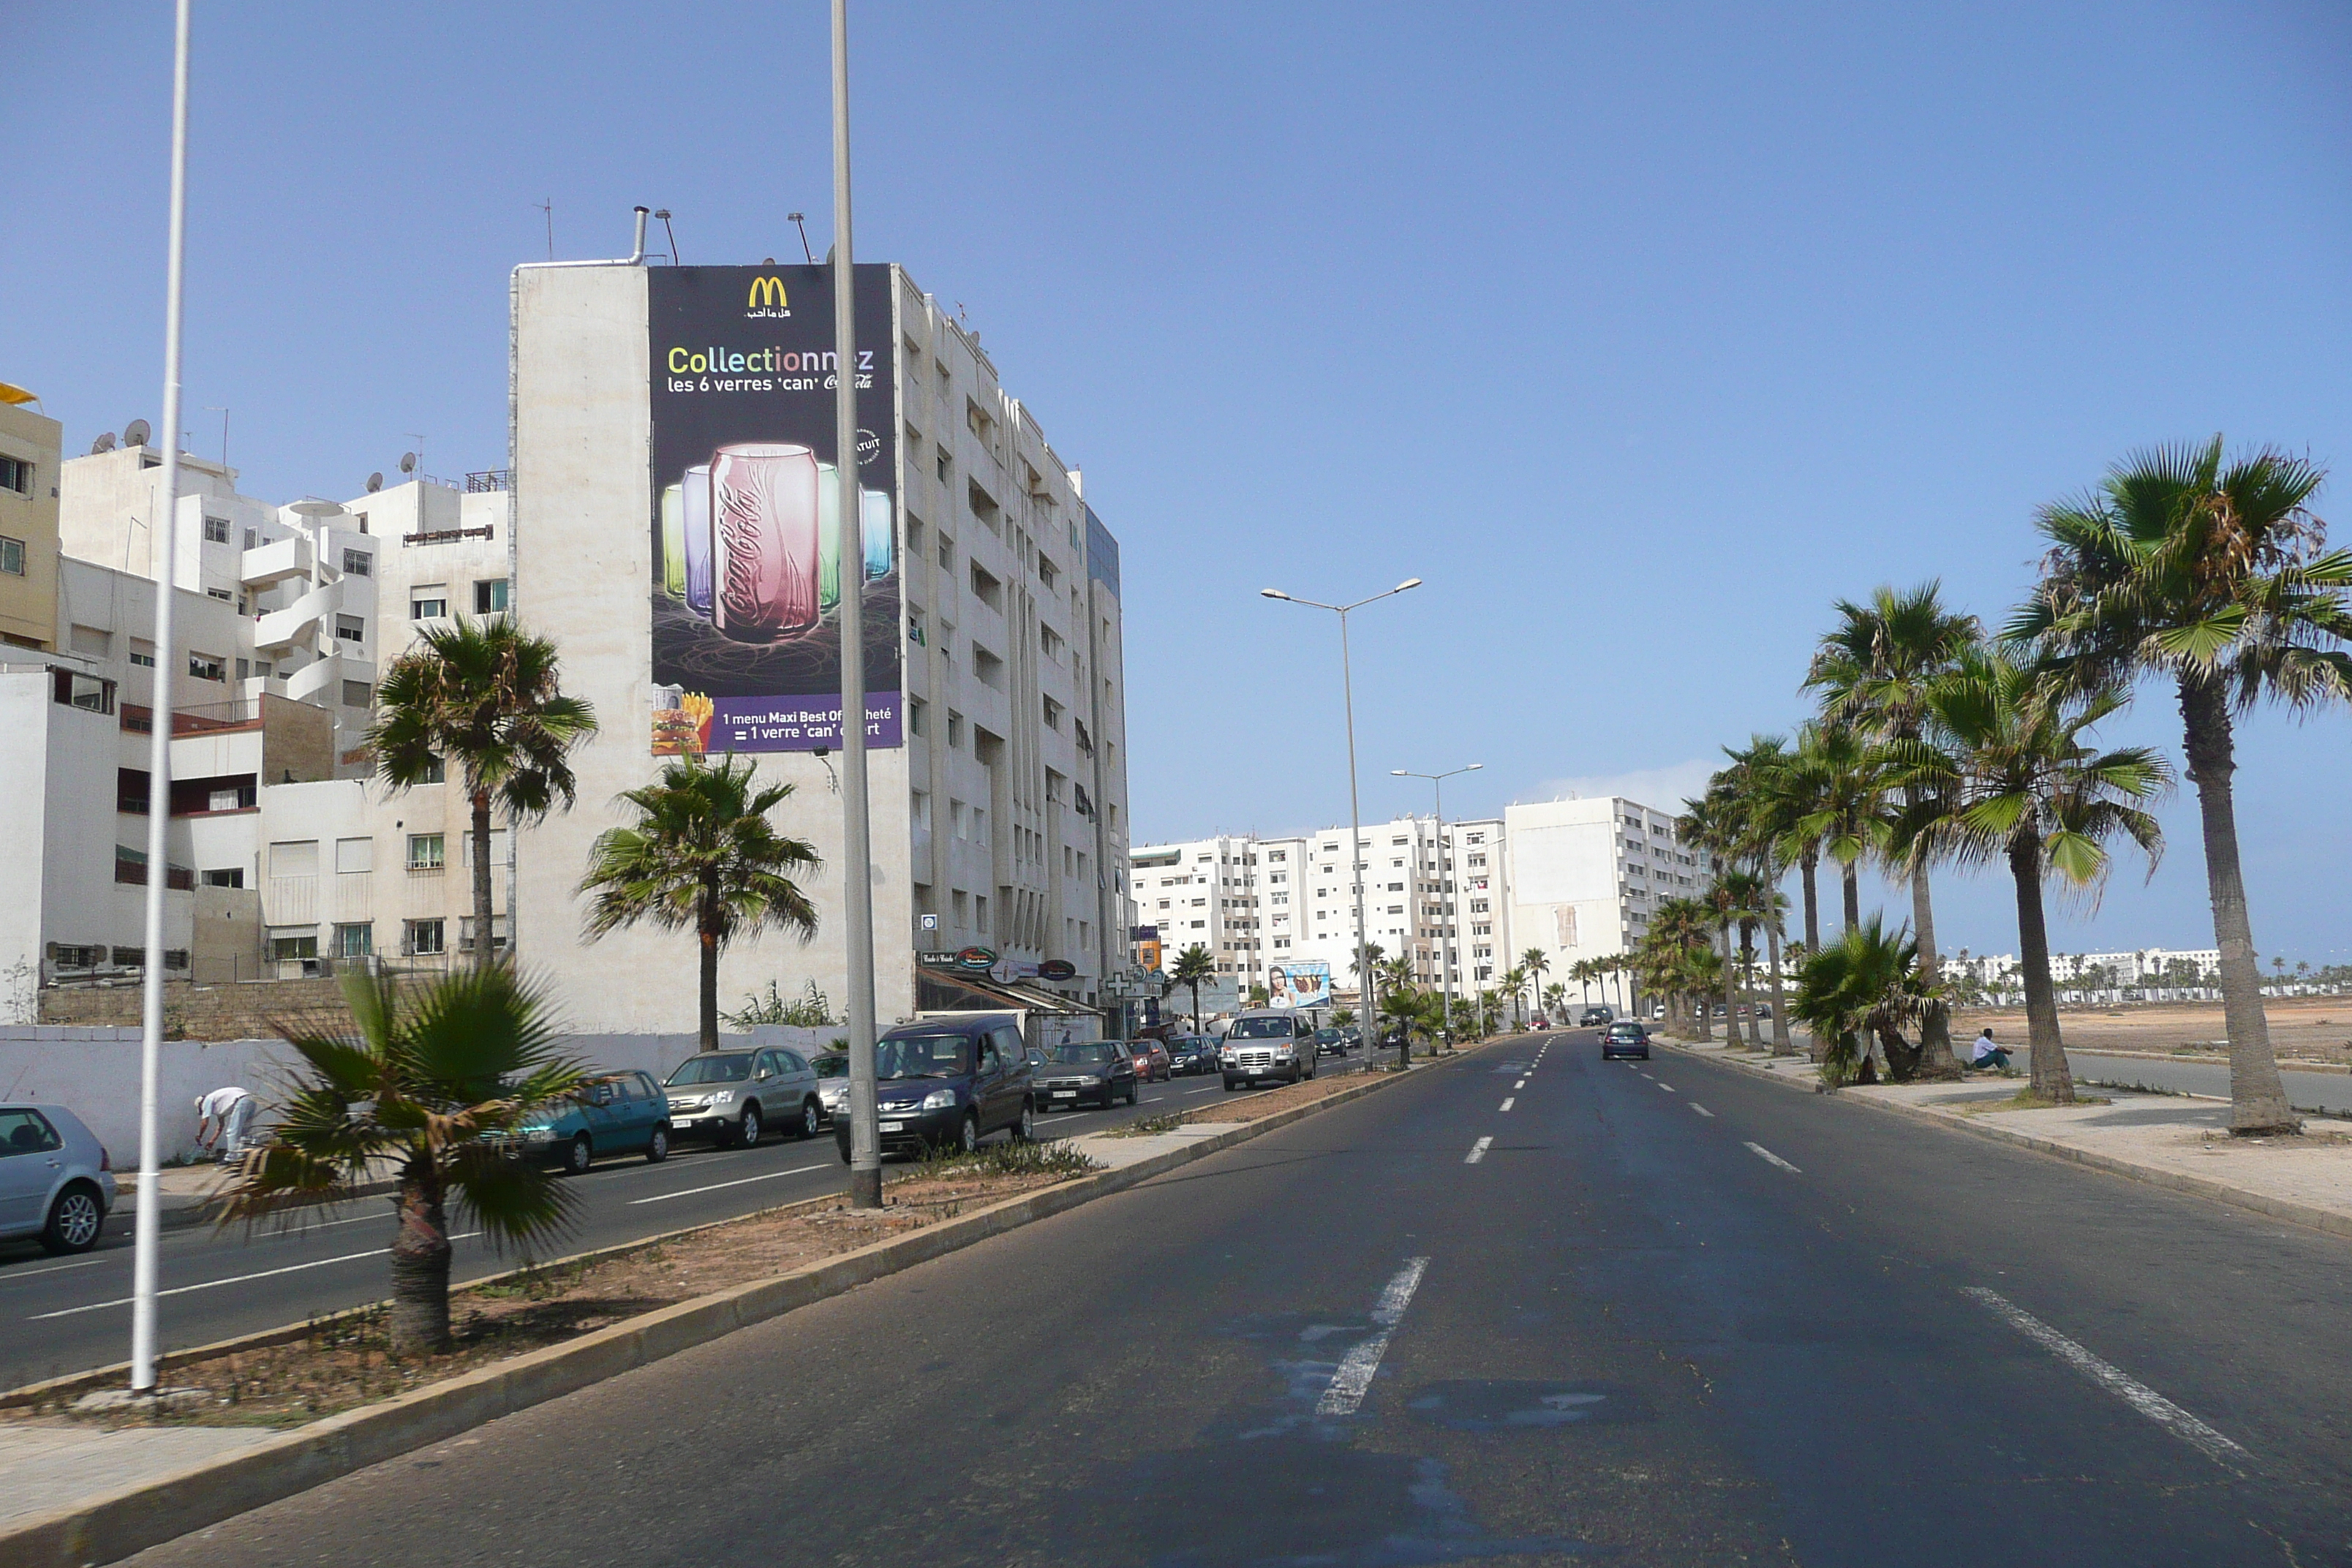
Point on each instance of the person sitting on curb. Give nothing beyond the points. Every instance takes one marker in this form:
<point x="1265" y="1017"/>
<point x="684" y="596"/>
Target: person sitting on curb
<point x="1986" y="1056"/>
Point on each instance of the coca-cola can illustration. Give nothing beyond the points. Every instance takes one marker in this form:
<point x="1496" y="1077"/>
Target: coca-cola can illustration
<point x="763" y="516"/>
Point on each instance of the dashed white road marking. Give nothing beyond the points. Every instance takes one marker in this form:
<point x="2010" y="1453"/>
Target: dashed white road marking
<point x="1354" y="1378"/>
<point x="2120" y="1383"/>
<point x="1769" y="1158"/>
<point x="715" y="1186"/>
<point x="1520" y="1085"/>
<point x="1477" y="1152"/>
<point x="238" y="1279"/>
<point x="1509" y="1100"/>
<point x="1702" y="1109"/>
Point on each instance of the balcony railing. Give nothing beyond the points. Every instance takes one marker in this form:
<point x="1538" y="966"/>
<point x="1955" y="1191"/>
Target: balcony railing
<point x="489" y="479"/>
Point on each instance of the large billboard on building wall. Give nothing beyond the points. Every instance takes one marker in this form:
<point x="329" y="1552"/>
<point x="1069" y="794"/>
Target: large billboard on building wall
<point x="1299" y="983"/>
<point x="746" y="556"/>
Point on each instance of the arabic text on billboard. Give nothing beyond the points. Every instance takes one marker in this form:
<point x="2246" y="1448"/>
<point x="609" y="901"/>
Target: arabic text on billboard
<point x="747" y="529"/>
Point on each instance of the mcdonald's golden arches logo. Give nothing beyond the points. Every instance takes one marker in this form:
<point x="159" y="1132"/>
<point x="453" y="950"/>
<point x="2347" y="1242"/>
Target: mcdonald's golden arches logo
<point x="767" y="296"/>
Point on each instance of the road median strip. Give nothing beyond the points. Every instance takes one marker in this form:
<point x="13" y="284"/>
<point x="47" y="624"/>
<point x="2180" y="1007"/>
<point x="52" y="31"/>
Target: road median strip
<point x="115" y="1525"/>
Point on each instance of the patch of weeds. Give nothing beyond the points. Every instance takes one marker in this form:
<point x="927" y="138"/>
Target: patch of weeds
<point x="1148" y="1125"/>
<point x="2026" y="1100"/>
<point x="1010" y="1158"/>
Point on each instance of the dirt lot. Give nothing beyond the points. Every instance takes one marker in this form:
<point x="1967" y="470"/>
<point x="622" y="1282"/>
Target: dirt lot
<point x="347" y="1361"/>
<point x="2304" y="1028"/>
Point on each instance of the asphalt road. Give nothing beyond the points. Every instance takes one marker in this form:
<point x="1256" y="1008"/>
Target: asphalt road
<point x="66" y="1315"/>
<point x="1668" y="1314"/>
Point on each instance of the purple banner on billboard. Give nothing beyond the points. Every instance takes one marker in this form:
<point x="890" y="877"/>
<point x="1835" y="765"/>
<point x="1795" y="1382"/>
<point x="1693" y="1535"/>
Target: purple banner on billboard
<point x="750" y="549"/>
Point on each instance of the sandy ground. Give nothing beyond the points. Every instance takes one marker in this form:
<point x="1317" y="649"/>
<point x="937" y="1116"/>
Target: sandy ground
<point x="2304" y="1028"/>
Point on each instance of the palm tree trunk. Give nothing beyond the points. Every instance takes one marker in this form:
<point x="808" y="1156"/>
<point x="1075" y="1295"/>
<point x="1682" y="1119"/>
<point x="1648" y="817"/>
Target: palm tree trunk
<point x="1782" y="1044"/>
<point x="485" y="945"/>
<point x="1731" y="991"/>
<point x="1807" y="865"/>
<point x="1850" y="876"/>
<point x="2258" y="1103"/>
<point x="706" y="940"/>
<point x="420" y="1265"/>
<point x="1748" y="965"/>
<point x="1936" y="1059"/>
<point x="2051" y="1080"/>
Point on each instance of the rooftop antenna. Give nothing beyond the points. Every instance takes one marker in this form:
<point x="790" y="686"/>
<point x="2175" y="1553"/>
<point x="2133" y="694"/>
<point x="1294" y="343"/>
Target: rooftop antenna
<point x="664" y="216"/>
<point x="798" y="224"/>
<point x="414" y="463"/>
<point x="212" y="408"/>
<point x="548" y="206"/>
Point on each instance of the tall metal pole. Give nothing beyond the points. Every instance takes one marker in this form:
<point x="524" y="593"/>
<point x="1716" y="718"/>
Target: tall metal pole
<point x="146" y="1230"/>
<point x="857" y="904"/>
<point x="1444" y="869"/>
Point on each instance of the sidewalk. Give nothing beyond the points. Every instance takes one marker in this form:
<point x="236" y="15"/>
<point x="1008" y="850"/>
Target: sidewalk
<point x="2167" y="1140"/>
<point x="189" y="1194"/>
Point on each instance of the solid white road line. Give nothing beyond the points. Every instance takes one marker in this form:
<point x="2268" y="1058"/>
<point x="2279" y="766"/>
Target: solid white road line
<point x="1769" y="1158"/>
<point x="1702" y="1109"/>
<point x="1477" y="1152"/>
<point x="1202" y="1091"/>
<point x="2120" y="1383"/>
<point x="715" y="1186"/>
<point x="1353" y="1380"/>
<point x="1508" y="1100"/>
<point x="238" y="1279"/>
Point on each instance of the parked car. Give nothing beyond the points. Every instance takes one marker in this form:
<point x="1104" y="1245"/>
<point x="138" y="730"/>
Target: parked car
<point x="1538" y="1023"/>
<point x="1625" y="1038"/>
<point x="733" y="1096"/>
<point x="1330" y="1042"/>
<point x="1276" y="1043"/>
<point x="948" y="1083"/>
<point x="832" y="1068"/>
<point x="1596" y="1017"/>
<point x="1152" y="1063"/>
<point x="1083" y="1070"/>
<point x="1190" y="1054"/>
<point x="57" y="1181"/>
<point x="627" y="1114"/>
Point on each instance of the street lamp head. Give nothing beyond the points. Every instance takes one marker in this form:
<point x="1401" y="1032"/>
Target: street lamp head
<point x="1408" y="583"/>
<point x="1399" y="772"/>
<point x="1273" y="594"/>
<point x="1473" y="767"/>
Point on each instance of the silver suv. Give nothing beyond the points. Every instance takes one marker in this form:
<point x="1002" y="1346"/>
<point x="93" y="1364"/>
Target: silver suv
<point x="55" y="1180"/>
<point x="1267" y="1045"/>
<point x="732" y="1097"/>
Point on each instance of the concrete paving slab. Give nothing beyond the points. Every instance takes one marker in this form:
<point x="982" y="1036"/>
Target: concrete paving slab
<point x="41" y="1466"/>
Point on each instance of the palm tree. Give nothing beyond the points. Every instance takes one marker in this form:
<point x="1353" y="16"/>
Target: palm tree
<point x="485" y="696"/>
<point x="1192" y="965"/>
<point x="2212" y="573"/>
<point x="1755" y="785"/>
<point x="1748" y="901"/>
<point x="1556" y="1001"/>
<point x="1713" y="824"/>
<point x="1534" y="964"/>
<point x="2004" y="772"/>
<point x="1406" y="1010"/>
<point x="1862" y="989"/>
<point x="423" y="1081"/>
<point x="1873" y="669"/>
<point x="1512" y="981"/>
<point x="1794" y="797"/>
<point x="1845" y="775"/>
<point x="702" y="854"/>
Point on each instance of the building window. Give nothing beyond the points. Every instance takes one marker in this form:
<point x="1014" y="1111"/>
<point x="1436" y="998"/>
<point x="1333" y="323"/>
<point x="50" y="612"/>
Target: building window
<point x="358" y="562"/>
<point x="1053" y="714"/>
<point x="223" y="595"/>
<point x="225" y="876"/>
<point x="357" y="694"/>
<point x="288" y="948"/>
<point x="434" y="771"/>
<point x="490" y="597"/>
<point x="354" y="941"/>
<point x="914" y="715"/>
<point x="427" y="603"/>
<point x="204" y="666"/>
<point x="216" y="530"/>
<point x="425" y="853"/>
<point x="349" y="628"/>
<point x="424" y="937"/>
<point x="12" y="556"/>
<point x="15" y="474"/>
<point x="142" y="654"/>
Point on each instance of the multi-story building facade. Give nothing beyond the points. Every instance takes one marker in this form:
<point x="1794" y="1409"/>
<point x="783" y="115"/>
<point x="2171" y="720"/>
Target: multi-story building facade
<point x="1576" y="878"/>
<point x="998" y="820"/>
<point x="29" y="453"/>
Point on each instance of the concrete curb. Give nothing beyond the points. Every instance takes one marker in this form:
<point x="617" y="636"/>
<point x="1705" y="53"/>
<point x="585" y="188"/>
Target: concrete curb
<point x="107" y="1529"/>
<point x="2309" y="1215"/>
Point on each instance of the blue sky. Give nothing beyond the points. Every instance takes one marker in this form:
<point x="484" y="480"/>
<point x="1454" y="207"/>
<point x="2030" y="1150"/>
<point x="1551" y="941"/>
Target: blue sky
<point x="1639" y="332"/>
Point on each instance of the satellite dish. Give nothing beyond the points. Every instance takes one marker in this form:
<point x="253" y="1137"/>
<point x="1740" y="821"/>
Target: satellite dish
<point x="135" y="434"/>
<point x="103" y="444"/>
<point x="408" y="462"/>
<point x="375" y="483"/>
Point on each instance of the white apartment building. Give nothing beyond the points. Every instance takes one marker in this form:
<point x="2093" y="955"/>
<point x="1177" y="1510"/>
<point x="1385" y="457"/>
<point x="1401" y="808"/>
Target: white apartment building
<point x="1575" y="878"/>
<point x="999" y="823"/>
<point x="2143" y="966"/>
<point x="284" y="849"/>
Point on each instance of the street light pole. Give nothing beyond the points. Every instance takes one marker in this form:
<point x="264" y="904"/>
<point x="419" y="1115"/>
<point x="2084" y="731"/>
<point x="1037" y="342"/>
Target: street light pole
<point x="146" y="1222"/>
<point x="1444" y="869"/>
<point x="1368" y="991"/>
<point x="857" y="902"/>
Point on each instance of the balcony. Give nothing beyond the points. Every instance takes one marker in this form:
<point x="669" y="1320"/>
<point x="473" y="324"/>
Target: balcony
<point x="266" y="565"/>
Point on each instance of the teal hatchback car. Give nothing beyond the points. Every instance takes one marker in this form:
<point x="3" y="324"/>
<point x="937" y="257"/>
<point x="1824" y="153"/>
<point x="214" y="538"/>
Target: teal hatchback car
<point x="625" y="1114"/>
